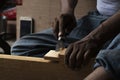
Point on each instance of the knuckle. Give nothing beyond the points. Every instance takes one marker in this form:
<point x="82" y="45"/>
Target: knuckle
<point x="66" y="54"/>
<point x="78" y="59"/>
<point x="71" y="45"/>
<point x="72" y="58"/>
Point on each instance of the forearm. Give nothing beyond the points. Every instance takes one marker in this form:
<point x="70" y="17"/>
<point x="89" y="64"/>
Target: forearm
<point x="107" y="30"/>
<point x="103" y="75"/>
<point x="68" y="6"/>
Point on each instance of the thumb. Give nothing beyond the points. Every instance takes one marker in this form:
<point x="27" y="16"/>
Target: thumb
<point x="55" y="26"/>
<point x="61" y="26"/>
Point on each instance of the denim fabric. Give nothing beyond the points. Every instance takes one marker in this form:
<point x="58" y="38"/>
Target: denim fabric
<point x="109" y="58"/>
<point x="38" y="44"/>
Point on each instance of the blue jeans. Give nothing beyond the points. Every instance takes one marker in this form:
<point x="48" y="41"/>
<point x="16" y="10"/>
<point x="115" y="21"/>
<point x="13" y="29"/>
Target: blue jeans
<point x="109" y="58"/>
<point x="38" y="44"/>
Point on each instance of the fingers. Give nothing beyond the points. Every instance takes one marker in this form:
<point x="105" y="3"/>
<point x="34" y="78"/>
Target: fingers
<point x="56" y="27"/>
<point x="80" y="53"/>
<point x="68" y="53"/>
<point x="87" y="57"/>
<point x="62" y="24"/>
<point x="59" y="26"/>
<point x="74" y="57"/>
<point x="80" y="58"/>
<point x="89" y="54"/>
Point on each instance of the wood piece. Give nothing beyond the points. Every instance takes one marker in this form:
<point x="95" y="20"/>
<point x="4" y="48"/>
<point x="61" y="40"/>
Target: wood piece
<point x="52" y="55"/>
<point x="55" y="55"/>
<point x="61" y="55"/>
<point x="23" y="58"/>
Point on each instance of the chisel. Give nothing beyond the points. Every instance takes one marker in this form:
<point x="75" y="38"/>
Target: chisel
<point x="60" y="43"/>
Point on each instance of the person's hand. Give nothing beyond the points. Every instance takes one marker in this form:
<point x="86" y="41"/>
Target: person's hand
<point x="64" y="24"/>
<point x="81" y="52"/>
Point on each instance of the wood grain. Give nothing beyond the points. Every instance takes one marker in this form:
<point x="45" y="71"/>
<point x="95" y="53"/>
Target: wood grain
<point x="32" y="68"/>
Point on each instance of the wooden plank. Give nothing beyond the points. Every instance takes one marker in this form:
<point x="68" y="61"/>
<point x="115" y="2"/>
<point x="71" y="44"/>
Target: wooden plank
<point x="23" y="58"/>
<point x="31" y="68"/>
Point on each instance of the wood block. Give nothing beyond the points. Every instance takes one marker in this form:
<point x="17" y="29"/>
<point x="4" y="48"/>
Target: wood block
<point x="52" y="55"/>
<point x="55" y="55"/>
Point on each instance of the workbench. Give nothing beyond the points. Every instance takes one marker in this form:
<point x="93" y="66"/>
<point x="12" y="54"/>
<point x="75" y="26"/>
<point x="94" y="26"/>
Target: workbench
<point x="33" y="68"/>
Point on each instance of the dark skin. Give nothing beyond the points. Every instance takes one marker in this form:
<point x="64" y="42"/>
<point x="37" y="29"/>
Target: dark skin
<point x="80" y="52"/>
<point x="66" y="22"/>
<point x="83" y="50"/>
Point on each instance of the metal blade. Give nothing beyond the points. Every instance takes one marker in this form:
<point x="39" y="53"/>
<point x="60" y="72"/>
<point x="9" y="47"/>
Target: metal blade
<point x="60" y="44"/>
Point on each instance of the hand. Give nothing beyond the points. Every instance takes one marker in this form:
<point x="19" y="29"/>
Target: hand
<point x="64" y="24"/>
<point x="81" y="52"/>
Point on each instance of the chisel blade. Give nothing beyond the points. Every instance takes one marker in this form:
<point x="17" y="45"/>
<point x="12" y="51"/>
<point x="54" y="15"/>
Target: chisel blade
<point x="60" y="44"/>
